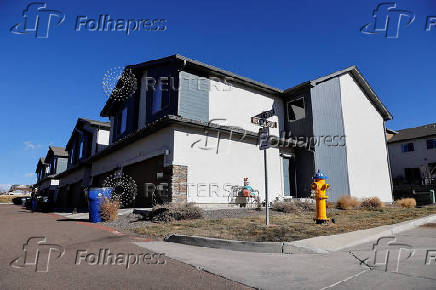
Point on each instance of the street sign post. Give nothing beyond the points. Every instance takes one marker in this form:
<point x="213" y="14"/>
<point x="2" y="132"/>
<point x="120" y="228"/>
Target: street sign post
<point x="264" y="144"/>
<point x="264" y="138"/>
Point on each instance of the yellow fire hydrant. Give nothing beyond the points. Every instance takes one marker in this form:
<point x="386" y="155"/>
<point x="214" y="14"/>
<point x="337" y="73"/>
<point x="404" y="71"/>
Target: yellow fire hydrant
<point x="320" y="187"/>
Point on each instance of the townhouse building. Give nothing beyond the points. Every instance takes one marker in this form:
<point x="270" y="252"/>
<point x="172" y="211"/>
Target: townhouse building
<point x="47" y="169"/>
<point x="89" y="137"/>
<point x="190" y="133"/>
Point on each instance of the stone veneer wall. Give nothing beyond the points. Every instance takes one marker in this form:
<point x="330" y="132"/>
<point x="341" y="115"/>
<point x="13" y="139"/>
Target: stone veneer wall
<point x="177" y="176"/>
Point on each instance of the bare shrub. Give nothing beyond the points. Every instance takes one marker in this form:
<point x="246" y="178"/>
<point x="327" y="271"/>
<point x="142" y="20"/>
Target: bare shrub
<point x="109" y="209"/>
<point x="371" y="203"/>
<point x="176" y="211"/>
<point x="292" y="206"/>
<point x="347" y="202"/>
<point x="406" y="202"/>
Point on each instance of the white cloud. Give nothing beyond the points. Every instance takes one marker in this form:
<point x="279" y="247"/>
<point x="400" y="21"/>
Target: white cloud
<point x="30" y="146"/>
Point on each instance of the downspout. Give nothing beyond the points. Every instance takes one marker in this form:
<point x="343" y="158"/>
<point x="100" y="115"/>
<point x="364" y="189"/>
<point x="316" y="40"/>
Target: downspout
<point x="389" y="161"/>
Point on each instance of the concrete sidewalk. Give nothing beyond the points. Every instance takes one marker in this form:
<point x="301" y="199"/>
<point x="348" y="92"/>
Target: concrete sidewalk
<point x="339" y="242"/>
<point x="264" y="270"/>
<point x="85" y="215"/>
<point x="346" y="269"/>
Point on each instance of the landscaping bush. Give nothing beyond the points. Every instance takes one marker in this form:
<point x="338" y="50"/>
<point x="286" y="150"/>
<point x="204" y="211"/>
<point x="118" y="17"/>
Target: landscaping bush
<point x="347" y="202"/>
<point x="406" y="202"/>
<point x="292" y="206"/>
<point x="109" y="209"/>
<point x="174" y="212"/>
<point x="371" y="203"/>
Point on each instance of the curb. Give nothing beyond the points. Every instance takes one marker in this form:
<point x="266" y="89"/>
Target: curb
<point x="243" y="246"/>
<point x="330" y="243"/>
<point x="339" y="242"/>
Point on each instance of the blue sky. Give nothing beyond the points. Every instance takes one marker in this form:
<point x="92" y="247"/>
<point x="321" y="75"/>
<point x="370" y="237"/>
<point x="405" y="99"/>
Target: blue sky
<point x="46" y="84"/>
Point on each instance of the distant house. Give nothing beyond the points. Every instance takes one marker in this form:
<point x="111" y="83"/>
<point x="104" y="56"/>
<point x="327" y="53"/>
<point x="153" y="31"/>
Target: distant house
<point x="189" y="126"/>
<point x="412" y="154"/>
<point x="19" y="189"/>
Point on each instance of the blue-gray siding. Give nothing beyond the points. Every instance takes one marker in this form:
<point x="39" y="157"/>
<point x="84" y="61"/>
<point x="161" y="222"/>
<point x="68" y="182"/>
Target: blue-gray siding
<point x="194" y="97"/>
<point x="328" y="121"/>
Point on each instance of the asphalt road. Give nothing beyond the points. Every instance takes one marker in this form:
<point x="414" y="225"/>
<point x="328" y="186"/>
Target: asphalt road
<point x="66" y="254"/>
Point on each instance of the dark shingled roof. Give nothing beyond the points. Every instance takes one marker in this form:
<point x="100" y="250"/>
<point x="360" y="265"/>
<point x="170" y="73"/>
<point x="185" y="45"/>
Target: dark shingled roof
<point x="414" y="133"/>
<point x="96" y="123"/>
<point x="59" y="151"/>
<point x="200" y="66"/>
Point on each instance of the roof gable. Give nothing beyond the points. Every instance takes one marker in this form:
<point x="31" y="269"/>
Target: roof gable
<point x="361" y="81"/>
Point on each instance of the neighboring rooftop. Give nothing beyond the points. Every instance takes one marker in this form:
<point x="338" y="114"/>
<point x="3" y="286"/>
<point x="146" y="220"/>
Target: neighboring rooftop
<point x="59" y="151"/>
<point x="414" y="133"/>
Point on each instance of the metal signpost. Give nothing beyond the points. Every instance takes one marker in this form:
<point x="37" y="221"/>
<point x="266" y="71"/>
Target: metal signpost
<point x="261" y="120"/>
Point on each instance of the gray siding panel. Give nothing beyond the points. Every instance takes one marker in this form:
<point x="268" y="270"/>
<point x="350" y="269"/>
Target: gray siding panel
<point x="62" y="165"/>
<point x="328" y="121"/>
<point x="194" y="97"/>
<point x="286" y="184"/>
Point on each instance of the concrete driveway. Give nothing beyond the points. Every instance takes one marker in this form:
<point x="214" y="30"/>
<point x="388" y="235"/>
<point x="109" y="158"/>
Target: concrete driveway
<point x="88" y="259"/>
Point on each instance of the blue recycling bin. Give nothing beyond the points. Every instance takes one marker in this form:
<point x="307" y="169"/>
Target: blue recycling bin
<point x="95" y="197"/>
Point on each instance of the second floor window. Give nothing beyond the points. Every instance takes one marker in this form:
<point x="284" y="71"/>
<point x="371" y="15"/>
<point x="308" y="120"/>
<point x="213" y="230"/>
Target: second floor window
<point x="157" y="98"/>
<point x="296" y="110"/>
<point x="81" y="149"/>
<point x="431" y="143"/>
<point x="123" y="121"/>
<point x="407" y="147"/>
<point x="72" y="155"/>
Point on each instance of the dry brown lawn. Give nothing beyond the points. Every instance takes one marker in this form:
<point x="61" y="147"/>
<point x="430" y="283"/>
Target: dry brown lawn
<point x="8" y="198"/>
<point x="284" y="227"/>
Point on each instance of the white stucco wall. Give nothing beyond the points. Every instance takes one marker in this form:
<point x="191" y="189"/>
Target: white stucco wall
<point x="238" y="104"/>
<point x="367" y="161"/>
<point x="414" y="159"/>
<point x="73" y="177"/>
<point x="212" y="172"/>
<point x="145" y="148"/>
